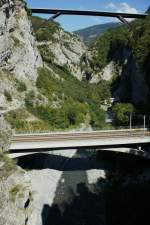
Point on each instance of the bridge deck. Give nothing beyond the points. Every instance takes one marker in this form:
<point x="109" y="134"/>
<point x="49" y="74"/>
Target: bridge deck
<point x="94" y="139"/>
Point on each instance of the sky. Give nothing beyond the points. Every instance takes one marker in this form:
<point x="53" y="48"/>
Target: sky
<point x="72" y="23"/>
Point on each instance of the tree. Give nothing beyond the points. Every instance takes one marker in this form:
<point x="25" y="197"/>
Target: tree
<point x="121" y="113"/>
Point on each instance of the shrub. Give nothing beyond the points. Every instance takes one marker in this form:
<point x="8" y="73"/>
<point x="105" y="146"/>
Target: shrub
<point x="121" y="112"/>
<point x="8" y="96"/>
<point x="45" y="30"/>
<point x="98" y="117"/>
<point x="29" y="99"/>
<point x="8" y="167"/>
<point x="21" y="86"/>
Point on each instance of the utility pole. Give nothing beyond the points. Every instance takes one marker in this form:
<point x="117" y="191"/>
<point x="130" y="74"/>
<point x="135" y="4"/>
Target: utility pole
<point x="144" y="122"/>
<point x="130" y="120"/>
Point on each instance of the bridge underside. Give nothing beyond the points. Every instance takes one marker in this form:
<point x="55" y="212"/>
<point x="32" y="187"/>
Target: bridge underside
<point x="134" y="149"/>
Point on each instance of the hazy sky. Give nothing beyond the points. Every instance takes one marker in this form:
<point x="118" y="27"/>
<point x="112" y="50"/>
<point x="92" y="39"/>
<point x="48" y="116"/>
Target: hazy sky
<point x="72" y="23"/>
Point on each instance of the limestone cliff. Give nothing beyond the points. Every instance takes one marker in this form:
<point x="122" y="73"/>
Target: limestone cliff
<point x="19" y="60"/>
<point x="19" y="56"/>
<point x="18" y="52"/>
<point x="15" y="195"/>
<point x="60" y="47"/>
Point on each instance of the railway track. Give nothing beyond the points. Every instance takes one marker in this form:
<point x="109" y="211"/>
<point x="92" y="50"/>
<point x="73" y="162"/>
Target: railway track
<point x="80" y="135"/>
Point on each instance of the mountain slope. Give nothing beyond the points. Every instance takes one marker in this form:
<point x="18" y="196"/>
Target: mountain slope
<point x="128" y="54"/>
<point x="58" y="95"/>
<point x="90" y="33"/>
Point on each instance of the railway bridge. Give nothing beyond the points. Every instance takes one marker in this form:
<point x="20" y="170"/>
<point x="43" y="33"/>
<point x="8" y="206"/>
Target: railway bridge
<point x="24" y="144"/>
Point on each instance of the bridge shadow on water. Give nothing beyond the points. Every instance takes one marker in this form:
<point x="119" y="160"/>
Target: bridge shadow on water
<point x="86" y="208"/>
<point x="114" y="205"/>
<point x="108" y="202"/>
<point x="104" y="160"/>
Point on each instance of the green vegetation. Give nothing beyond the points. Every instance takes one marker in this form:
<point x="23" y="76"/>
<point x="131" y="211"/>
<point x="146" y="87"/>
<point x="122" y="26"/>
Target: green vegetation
<point x="17" y="118"/>
<point x="85" y="98"/>
<point x="75" y="99"/>
<point x="121" y="113"/>
<point x="111" y="43"/>
<point x="105" y="45"/>
<point x="141" y="45"/>
<point x="19" y="121"/>
<point x="70" y="101"/>
<point x="8" y="96"/>
<point x="21" y="86"/>
<point x="45" y="30"/>
<point x="8" y="166"/>
<point x="97" y="117"/>
<point x="46" y="53"/>
<point x="71" y="114"/>
<point x="89" y="34"/>
<point x="29" y="99"/>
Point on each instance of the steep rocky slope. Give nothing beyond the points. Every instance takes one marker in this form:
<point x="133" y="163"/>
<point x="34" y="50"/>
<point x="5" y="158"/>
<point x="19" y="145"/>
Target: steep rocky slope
<point x="45" y="85"/>
<point x="32" y="95"/>
<point x="58" y="46"/>
<point x="15" y="194"/>
<point x="123" y="58"/>
<point x="19" y="60"/>
<point x="19" y="56"/>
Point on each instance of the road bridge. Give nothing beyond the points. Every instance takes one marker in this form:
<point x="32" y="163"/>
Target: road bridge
<point x="23" y="144"/>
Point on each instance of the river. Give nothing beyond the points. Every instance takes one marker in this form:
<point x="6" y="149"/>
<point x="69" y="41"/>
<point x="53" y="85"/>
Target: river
<point x="68" y="186"/>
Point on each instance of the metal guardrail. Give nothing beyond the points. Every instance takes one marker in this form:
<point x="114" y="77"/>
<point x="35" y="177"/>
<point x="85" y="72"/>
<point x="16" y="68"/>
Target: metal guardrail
<point x="121" y="129"/>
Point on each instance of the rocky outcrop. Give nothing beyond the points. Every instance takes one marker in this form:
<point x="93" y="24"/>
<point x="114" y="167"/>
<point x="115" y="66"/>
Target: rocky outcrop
<point x="5" y="134"/>
<point x="15" y="195"/>
<point x="60" y="47"/>
<point x="132" y="86"/>
<point x="19" y="60"/>
<point x="18" y="51"/>
<point x="19" y="55"/>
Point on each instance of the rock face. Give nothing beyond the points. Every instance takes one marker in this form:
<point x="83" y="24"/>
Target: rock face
<point x="132" y="85"/>
<point x="19" y="56"/>
<point x="19" y="59"/>
<point x="15" y="195"/>
<point x="66" y="50"/>
<point x="18" y="52"/>
<point x="15" y="199"/>
<point x="5" y="135"/>
<point x="60" y="47"/>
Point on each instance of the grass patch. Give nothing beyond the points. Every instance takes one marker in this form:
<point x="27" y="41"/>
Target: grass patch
<point x="21" y="86"/>
<point x="8" y="96"/>
<point x="9" y="165"/>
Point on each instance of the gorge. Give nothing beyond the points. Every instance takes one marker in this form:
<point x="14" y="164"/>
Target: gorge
<point x="50" y="80"/>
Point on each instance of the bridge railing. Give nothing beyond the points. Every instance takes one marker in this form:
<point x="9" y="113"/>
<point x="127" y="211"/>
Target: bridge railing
<point x="121" y="128"/>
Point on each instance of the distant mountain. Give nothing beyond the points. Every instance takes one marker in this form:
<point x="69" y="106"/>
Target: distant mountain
<point x="148" y="10"/>
<point x="90" y="33"/>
